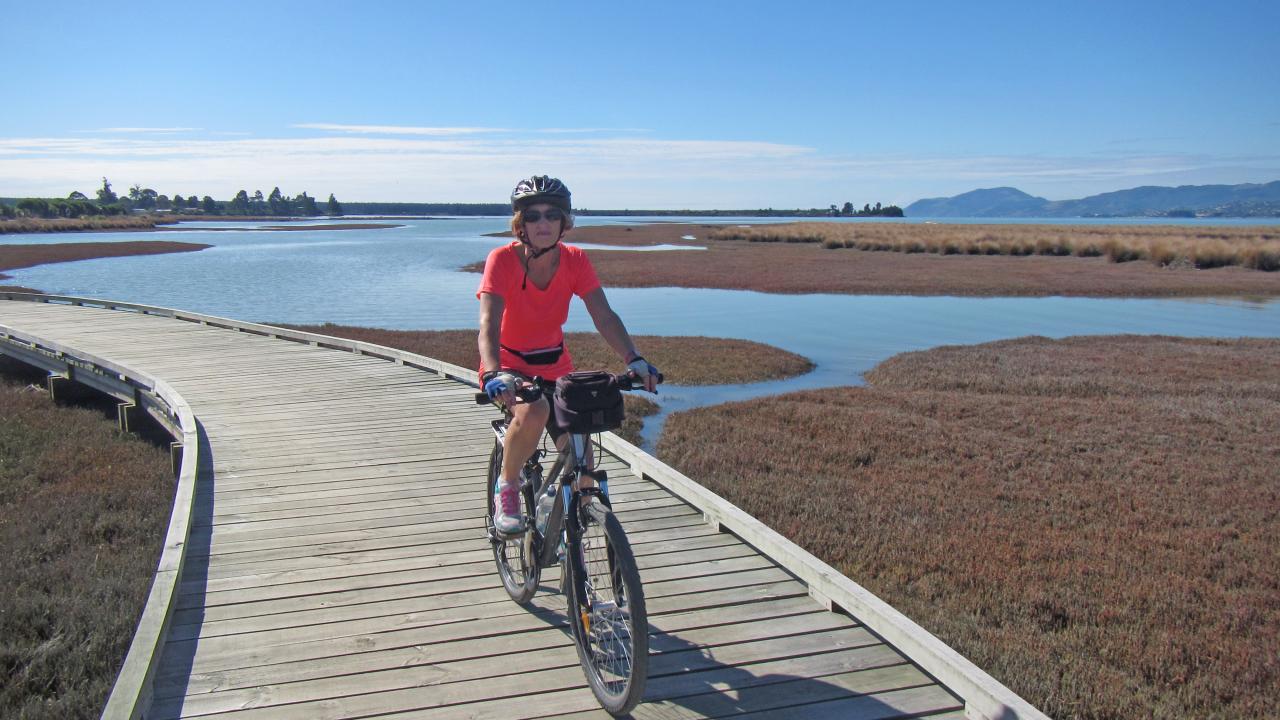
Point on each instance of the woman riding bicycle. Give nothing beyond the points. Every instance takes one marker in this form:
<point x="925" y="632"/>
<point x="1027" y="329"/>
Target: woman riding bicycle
<point x="524" y="302"/>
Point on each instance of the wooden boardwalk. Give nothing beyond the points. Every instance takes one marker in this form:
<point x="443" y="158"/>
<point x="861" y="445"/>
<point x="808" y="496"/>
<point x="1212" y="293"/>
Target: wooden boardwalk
<point x="336" y="565"/>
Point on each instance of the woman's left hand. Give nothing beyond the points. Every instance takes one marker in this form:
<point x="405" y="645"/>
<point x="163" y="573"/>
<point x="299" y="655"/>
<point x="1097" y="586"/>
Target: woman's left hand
<point x="646" y="372"/>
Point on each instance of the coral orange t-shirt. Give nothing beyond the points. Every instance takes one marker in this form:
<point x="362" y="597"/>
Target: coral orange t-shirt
<point x="532" y="318"/>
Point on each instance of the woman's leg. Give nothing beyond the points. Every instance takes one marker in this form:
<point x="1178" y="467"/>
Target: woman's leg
<point x="521" y="440"/>
<point x="527" y="421"/>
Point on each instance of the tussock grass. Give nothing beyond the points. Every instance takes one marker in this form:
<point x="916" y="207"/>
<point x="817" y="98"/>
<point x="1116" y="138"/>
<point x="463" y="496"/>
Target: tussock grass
<point x="1092" y="520"/>
<point x="1168" y="246"/>
<point x="83" y="511"/>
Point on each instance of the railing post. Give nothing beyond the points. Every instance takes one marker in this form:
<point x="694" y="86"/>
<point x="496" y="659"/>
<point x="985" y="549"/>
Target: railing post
<point x="64" y="389"/>
<point x="128" y="413"/>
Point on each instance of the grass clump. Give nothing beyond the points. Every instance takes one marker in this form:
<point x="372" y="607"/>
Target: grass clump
<point x="83" y="512"/>
<point x="1092" y="520"/>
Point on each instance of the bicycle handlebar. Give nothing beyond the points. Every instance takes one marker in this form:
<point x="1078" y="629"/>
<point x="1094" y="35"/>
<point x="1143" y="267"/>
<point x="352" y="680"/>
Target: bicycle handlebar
<point x="536" y="387"/>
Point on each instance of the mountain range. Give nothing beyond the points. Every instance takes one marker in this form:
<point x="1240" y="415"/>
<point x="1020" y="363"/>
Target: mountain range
<point x="1247" y="200"/>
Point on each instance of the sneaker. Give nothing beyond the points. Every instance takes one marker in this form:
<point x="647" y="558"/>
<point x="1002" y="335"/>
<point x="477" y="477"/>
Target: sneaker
<point x="507" y="519"/>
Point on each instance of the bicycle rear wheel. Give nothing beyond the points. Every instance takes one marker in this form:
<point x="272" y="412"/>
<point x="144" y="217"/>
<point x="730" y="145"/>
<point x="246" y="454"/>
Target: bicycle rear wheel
<point x="514" y="556"/>
<point x="607" y="612"/>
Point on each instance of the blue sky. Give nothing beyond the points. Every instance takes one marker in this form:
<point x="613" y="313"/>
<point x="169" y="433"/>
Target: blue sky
<point x="639" y="105"/>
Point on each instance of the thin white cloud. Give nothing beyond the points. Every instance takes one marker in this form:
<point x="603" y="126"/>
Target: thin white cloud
<point x="567" y="131"/>
<point x="396" y="129"/>
<point x="146" y="131"/>
<point x="449" y="131"/>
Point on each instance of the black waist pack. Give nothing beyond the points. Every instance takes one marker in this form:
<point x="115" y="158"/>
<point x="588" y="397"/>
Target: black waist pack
<point x="588" y="402"/>
<point x="538" y="357"/>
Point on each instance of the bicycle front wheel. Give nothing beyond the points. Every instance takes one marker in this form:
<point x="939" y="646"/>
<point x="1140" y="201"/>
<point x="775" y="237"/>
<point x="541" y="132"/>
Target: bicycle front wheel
<point x="514" y="556"/>
<point x="607" y="612"/>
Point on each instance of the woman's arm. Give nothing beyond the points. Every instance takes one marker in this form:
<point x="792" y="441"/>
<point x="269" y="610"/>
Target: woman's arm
<point x="609" y="325"/>
<point x="615" y="333"/>
<point x="490" y="330"/>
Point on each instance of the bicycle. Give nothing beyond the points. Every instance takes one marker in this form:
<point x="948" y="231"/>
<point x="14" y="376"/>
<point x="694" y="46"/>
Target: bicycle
<point x="605" y="600"/>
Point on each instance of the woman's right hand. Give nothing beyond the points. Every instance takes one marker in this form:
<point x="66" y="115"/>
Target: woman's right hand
<point x="501" y="385"/>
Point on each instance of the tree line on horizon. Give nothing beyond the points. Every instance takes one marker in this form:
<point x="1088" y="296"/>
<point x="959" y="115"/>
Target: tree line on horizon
<point x="867" y="211"/>
<point x="141" y="199"/>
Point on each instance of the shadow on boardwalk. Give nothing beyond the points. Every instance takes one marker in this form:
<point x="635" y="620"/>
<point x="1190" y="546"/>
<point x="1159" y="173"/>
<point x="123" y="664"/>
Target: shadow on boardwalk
<point x="854" y="680"/>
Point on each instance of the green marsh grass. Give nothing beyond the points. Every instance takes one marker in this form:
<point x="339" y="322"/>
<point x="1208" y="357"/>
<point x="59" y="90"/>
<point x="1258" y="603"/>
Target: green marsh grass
<point x="1092" y="520"/>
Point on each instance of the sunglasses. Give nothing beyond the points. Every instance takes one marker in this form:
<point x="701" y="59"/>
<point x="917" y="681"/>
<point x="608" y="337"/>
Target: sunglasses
<point x="552" y="215"/>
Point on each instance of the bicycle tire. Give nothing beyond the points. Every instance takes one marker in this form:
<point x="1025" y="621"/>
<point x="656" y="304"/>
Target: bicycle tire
<point x="517" y="566"/>
<point x="607" y="612"/>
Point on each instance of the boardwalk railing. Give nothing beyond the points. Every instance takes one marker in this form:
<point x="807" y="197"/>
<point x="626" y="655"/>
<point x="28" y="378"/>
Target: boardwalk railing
<point x="984" y="696"/>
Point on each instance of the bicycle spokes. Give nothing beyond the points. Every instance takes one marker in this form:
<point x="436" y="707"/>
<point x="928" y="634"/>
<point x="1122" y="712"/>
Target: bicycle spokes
<point x="611" y="627"/>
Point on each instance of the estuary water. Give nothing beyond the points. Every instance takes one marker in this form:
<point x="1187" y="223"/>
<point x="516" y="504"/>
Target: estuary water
<point x="409" y="278"/>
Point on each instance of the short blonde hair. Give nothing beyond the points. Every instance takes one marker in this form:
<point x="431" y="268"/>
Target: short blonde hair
<point x="517" y="220"/>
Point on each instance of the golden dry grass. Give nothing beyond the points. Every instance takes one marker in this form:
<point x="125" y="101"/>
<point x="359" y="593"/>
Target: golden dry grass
<point x="1256" y="248"/>
<point x="1092" y="520"/>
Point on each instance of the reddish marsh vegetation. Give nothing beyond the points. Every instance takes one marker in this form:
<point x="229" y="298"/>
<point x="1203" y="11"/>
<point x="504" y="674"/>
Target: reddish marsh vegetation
<point x="802" y="267"/>
<point x="83" y="511"/>
<point x="1095" y="521"/>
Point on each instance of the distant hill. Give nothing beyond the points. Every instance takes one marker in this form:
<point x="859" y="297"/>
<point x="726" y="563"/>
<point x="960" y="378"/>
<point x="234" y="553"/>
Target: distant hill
<point x="1247" y="200"/>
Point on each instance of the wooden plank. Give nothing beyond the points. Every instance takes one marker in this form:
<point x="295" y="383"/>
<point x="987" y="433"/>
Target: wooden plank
<point x="438" y="670"/>
<point x="671" y="549"/>
<point x="524" y="672"/>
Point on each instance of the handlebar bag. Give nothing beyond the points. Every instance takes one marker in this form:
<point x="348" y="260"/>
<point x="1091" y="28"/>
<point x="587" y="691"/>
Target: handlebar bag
<point x="588" y="402"/>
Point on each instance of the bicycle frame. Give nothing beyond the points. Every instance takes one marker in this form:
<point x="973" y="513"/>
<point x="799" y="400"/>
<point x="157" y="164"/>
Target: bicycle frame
<point x="568" y="465"/>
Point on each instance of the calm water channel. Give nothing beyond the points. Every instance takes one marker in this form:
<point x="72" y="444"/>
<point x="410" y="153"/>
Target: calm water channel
<point x="408" y="278"/>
